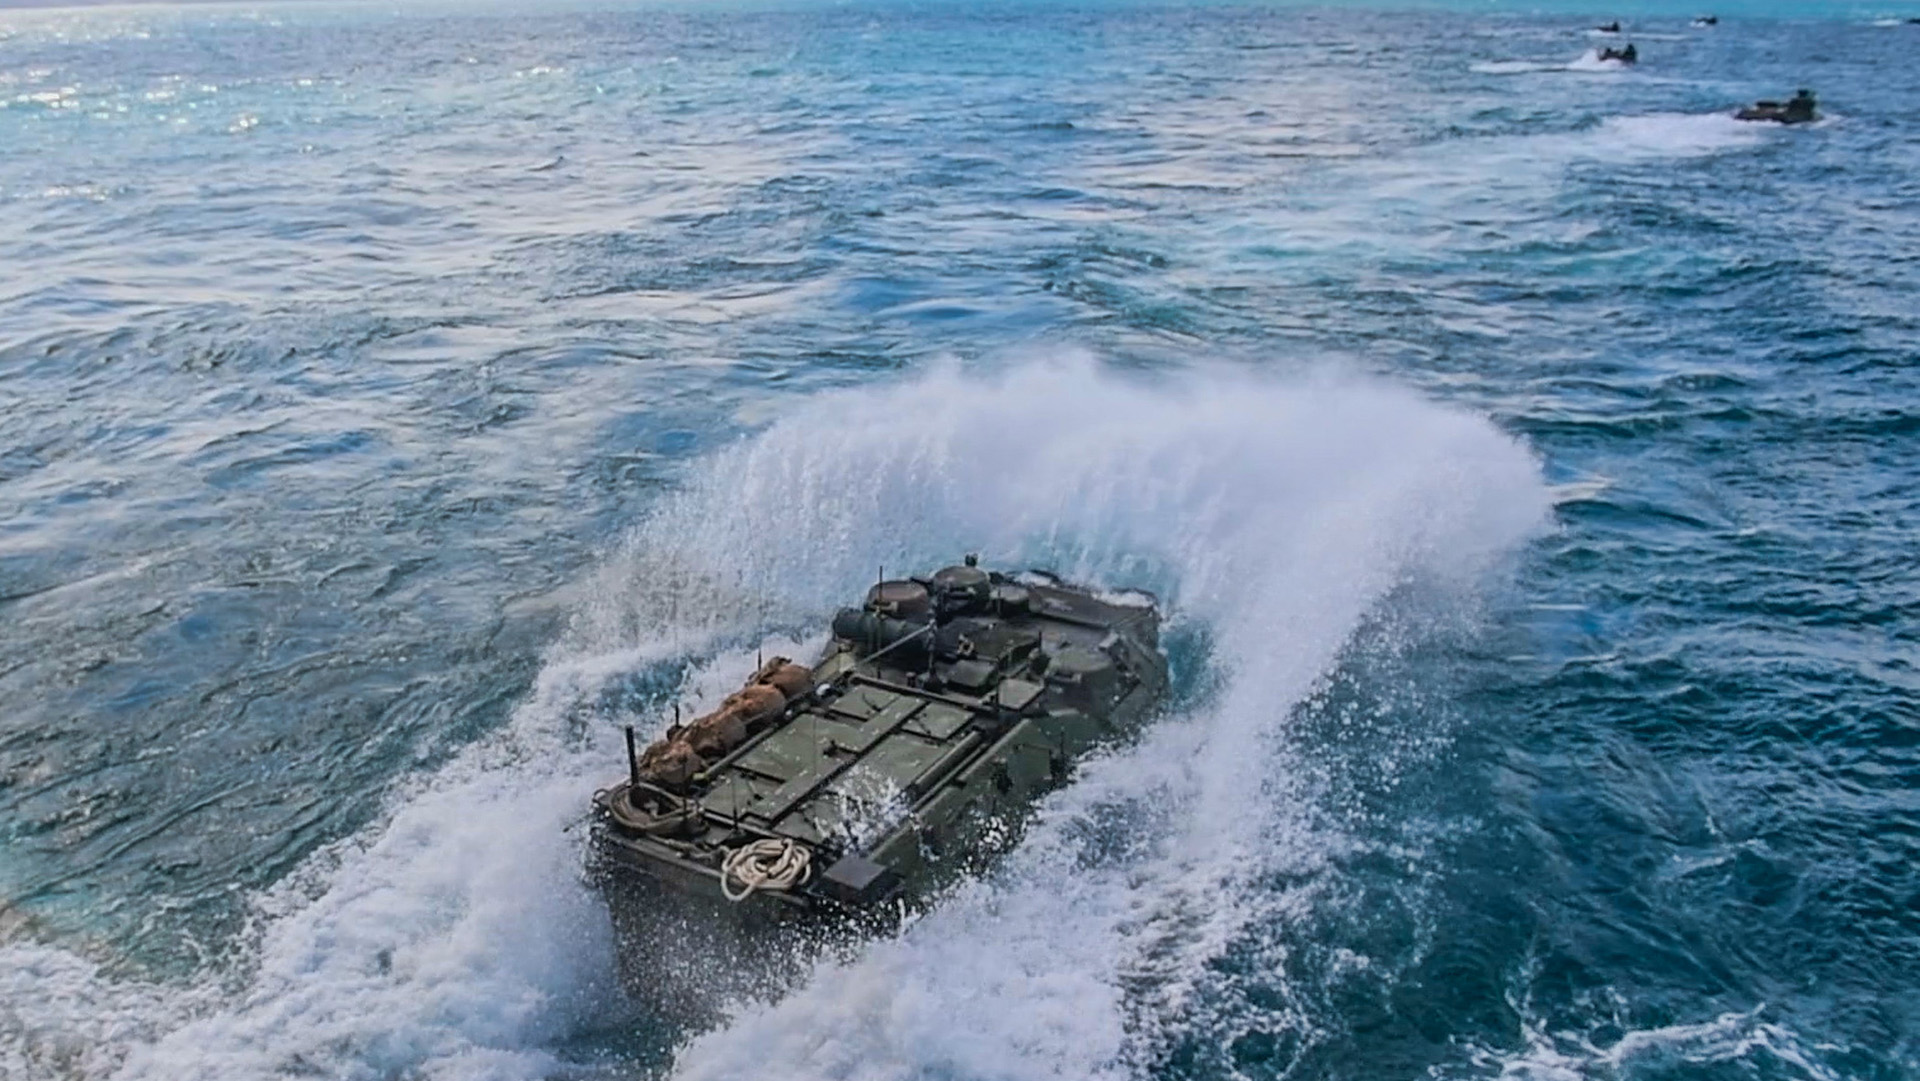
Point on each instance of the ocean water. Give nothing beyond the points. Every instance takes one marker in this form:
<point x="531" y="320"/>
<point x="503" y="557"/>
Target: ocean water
<point x="397" y="400"/>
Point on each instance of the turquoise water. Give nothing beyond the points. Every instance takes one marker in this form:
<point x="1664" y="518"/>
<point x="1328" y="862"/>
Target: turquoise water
<point x="395" y="402"/>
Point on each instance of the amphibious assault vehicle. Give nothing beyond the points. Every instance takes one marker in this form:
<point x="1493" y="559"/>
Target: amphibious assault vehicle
<point x="834" y="796"/>
<point x="1798" y="109"/>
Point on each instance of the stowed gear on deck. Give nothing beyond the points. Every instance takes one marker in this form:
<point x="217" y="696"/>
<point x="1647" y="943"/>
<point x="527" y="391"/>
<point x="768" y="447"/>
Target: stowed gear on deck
<point x="686" y="750"/>
<point x="944" y="706"/>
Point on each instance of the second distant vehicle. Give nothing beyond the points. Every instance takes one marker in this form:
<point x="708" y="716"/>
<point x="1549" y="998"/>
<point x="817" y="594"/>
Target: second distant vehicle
<point x="1798" y="109"/>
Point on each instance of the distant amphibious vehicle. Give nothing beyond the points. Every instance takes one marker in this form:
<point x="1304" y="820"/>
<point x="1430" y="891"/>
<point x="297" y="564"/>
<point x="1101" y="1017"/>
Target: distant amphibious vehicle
<point x="1798" y="109"/>
<point x="837" y="794"/>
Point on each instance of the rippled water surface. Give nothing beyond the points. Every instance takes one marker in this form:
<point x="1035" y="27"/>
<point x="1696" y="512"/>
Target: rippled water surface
<point x="394" y="402"/>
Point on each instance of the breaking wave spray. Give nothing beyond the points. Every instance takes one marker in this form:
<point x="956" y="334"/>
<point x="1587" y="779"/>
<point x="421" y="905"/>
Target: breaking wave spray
<point x="456" y="939"/>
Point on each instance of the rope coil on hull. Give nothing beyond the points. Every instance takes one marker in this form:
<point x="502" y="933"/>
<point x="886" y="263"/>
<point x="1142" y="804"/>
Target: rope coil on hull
<point x="657" y="816"/>
<point x="768" y="864"/>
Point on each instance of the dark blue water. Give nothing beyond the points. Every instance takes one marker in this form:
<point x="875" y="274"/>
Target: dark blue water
<point x="393" y="403"/>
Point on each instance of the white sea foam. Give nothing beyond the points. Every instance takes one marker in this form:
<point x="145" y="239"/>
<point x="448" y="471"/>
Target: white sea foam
<point x="1676" y="135"/>
<point x="455" y="939"/>
<point x="1731" y="1037"/>
<point x="1490" y="194"/>
<point x="451" y="940"/>
<point x="1590" y="61"/>
<point x="1513" y="67"/>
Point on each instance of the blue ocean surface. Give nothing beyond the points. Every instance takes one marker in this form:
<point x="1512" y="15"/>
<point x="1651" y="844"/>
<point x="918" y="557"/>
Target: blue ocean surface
<point x="397" y="400"/>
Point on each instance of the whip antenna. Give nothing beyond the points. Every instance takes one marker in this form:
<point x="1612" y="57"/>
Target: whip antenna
<point x="633" y="764"/>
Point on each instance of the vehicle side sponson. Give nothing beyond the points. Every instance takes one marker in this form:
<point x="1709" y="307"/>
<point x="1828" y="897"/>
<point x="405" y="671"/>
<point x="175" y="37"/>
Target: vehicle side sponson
<point x="974" y="816"/>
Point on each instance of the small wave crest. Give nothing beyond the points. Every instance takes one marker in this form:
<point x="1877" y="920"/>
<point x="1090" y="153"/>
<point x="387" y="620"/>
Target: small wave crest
<point x="1587" y="62"/>
<point x="1512" y="67"/>
<point x="1767" y="1048"/>
<point x="1677" y="134"/>
<point x="1590" y="61"/>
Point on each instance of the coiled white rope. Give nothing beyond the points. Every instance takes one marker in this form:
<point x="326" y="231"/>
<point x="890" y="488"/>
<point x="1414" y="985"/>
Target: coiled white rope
<point x="771" y="864"/>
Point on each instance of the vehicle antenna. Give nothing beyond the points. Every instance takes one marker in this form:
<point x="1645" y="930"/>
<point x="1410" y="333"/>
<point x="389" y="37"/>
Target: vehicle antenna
<point x="633" y="764"/>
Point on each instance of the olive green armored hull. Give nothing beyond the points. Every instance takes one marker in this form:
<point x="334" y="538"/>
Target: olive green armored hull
<point x="941" y="710"/>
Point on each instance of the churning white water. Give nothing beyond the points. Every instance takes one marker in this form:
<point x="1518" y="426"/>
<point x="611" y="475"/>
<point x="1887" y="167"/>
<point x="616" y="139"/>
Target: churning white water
<point x="456" y="938"/>
<point x="1272" y="515"/>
